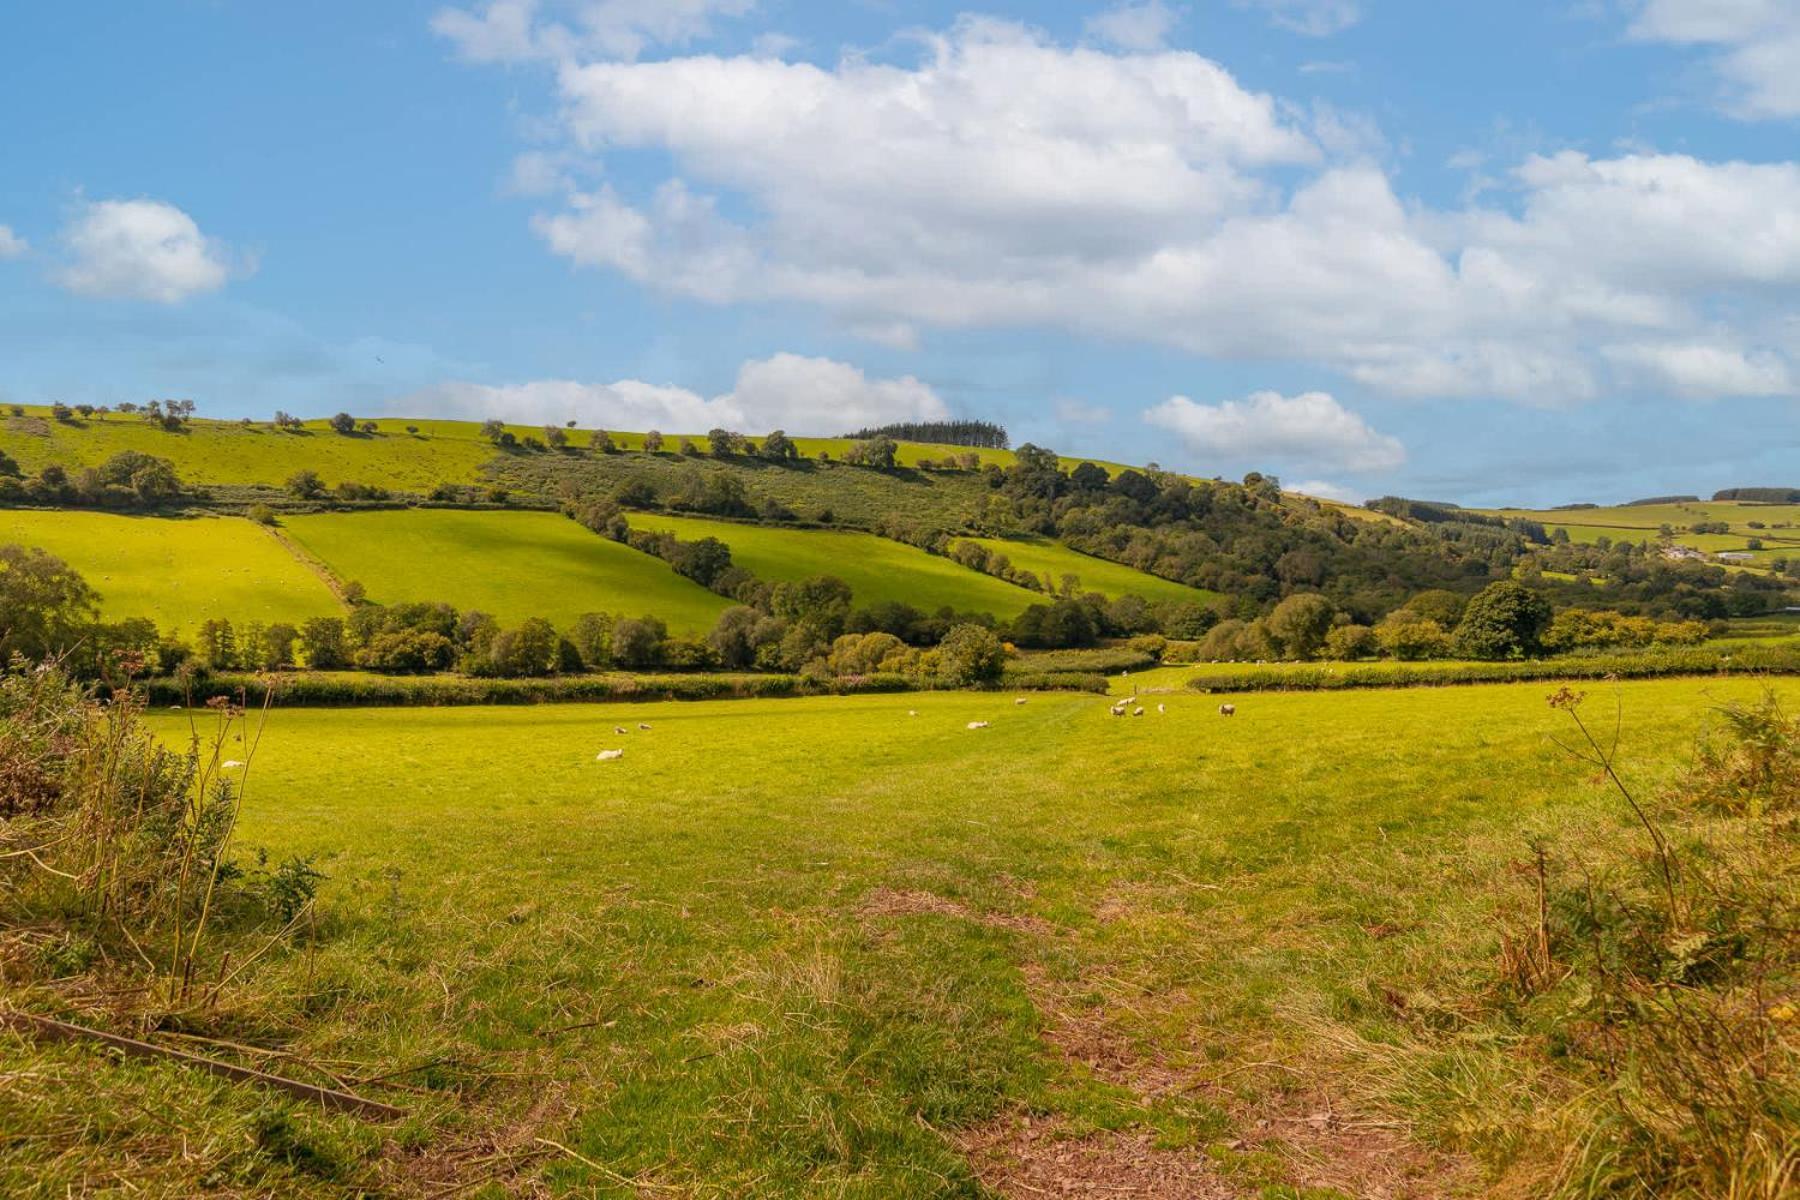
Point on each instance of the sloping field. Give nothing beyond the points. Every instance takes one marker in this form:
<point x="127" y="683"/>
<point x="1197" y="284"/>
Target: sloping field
<point x="1053" y="560"/>
<point x="513" y="565"/>
<point x="877" y="569"/>
<point x="178" y="572"/>
<point x="894" y="953"/>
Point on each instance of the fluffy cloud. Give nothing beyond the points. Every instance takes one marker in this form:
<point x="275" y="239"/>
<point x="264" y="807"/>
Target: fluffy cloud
<point x="1756" y="47"/>
<point x="521" y="30"/>
<point x="801" y="395"/>
<point x="1134" y="26"/>
<point x="1324" y="489"/>
<point x="1706" y="370"/>
<point x="1315" y="18"/>
<point x="11" y="244"/>
<point x="140" y="250"/>
<point x="1004" y="179"/>
<point x="1310" y="430"/>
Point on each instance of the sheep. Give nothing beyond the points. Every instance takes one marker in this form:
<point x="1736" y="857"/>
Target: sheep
<point x="978" y="724"/>
<point x="1020" y="700"/>
<point x="641" y="725"/>
<point x="1228" y="710"/>
<point x="619" y="729"/>
<point x="912" y="712"/>
<point x="1162" y="708"/>
<point x="1138" y="711"/>
<point x="1129" y="700"/>
<point x="609" y="756"/>
<point x="231" y="764"/>
<point x="1117" y="710"/>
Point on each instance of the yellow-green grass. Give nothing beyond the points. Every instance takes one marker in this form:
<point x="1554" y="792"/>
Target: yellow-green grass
<point x="513" y="565"/>
<point x="877" y="569"/>
<point x="177" y="572"/>
<point x="1633" y="519"/>
<point x="1175" y="678"/>
<point x="1052" y="560"/>
<point x="440" y="451"/>
<point x="799" y="948"/>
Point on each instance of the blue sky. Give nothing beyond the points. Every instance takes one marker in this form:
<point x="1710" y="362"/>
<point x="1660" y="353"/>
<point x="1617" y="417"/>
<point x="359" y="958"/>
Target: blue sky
<point x="1532" y="252"/>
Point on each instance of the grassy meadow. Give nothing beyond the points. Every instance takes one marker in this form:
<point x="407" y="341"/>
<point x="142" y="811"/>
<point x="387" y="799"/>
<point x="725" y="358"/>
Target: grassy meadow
<point x="513" y="565"/>
<point x="877" y="569"/>
<point x="823" y="947"/>
<point x="1643" y="522"/>
<point x="1052" y="560"/>
<point x="177" y="572"/>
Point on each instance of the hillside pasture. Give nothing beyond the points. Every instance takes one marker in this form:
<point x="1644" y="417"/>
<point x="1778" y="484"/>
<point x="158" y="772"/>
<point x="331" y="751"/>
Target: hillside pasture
<point x="899" y="957"/>
<point x="513" y="565"/>
<point x="877" y="569"/>
<point x="178" y="572"/>
<point x="1051" y="560"/>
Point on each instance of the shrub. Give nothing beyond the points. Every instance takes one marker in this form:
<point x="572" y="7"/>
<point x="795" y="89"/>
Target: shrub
<point x="970" y="654"/>
<point x="262" y="514"/>
<point x="1505" y="620"/>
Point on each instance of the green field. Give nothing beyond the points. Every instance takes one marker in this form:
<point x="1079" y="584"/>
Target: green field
<point x="877" y="569"/>
<point x="512" y="565"/>
<point x="177" y="572"/>
<point x="856" y="969"/>
<point x="1052" y="560"/>
<point x="1643" y="522"/>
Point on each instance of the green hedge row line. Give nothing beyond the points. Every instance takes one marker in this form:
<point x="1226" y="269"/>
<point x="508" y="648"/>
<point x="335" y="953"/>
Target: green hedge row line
<point x="304" y="689"/>
<point x="1690" y="661"/>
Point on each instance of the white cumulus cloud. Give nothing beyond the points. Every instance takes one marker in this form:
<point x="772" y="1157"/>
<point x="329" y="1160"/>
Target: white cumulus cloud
<point x="1144" y="25"/>
<point x="1310" y="430"/>
<point x="802" y="395"/>
<point x="140" y="250"/>
<point x="1005" y="180"/>
<point x="11" y="244"/>
<point x="1314" y="18"/>
<point x="1706" y="370"/>
<point x="1754" y="44"/>
<point x="521" y="30"/>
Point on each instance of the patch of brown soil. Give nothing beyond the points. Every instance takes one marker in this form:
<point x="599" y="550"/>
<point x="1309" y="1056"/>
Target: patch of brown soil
<point x="1327" y="1146"/>
<point x="1017" y="1157"/>
<point x="506" y="1155"/>
<point x="891" y="902"/>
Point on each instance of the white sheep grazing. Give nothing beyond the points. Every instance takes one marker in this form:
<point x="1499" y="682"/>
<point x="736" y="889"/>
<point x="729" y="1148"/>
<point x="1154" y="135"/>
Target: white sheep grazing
<point x="231" y="764"/>
<point x="1117" y="710"/>
<point x="978" y="724"/>
<point x="1162" y="708"/>
<point x="1020" y="700"/>
<point x="1138" y="711"/>
<point x="609" y="756"/>
<point x="641" y="725"/>
<point x="912" y="712"/>
<point x="1129" y="700"/>
<point x="618" y="729"/>
<point x="1228" y="710"/>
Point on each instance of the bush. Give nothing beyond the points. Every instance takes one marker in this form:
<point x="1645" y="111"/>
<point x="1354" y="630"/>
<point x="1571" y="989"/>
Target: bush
<point x="970" y="654"/>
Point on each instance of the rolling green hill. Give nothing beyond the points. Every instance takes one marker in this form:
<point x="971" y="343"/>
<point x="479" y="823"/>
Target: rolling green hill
<point x="876" y="568"/>
<point x="1779" y="524"/>
<point x="513" y="565"/>
<point x="177" y="572"/>
<point x="1053" y="560"/>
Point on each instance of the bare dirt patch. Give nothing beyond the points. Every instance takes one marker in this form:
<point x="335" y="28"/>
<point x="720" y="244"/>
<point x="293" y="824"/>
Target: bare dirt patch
<point x="1018" y="1157"/>
<point x="891" y="902"/>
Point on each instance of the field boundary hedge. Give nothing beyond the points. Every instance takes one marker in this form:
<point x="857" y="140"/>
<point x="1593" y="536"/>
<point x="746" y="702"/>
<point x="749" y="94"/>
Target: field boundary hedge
<point x="305" y="690"/>
<point x="1745" y="661"/>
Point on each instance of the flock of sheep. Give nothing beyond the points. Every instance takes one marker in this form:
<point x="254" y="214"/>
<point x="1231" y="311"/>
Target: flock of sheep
<point x="1127" y="706"/>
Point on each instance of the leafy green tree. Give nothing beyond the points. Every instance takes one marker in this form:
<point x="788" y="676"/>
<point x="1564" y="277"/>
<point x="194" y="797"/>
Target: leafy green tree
<point x="1437" y="604"/>
<point x="653" y="442"/>
<point x="218" y="645"/>
<point x="306" y="485"/>
<point x="1348" y="643"/>
<point x="1504" y="620"/>
<point x="322" y="644"/>
<point x="343" y="423"/>
<point x="1409" y="637"/>
<point x="592" y="637"/>
<point x="780" y="447"/>
<point x="275" y="646"/>
<point x="637" y="642"/>
<point x="971" y="654"/>
<point x="1300" y="624"/>
<point x="45" y="606"/>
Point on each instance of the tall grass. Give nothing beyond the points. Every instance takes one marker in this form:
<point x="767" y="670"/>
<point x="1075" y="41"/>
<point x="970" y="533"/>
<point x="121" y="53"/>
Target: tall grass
<point x="1665" y="974"/>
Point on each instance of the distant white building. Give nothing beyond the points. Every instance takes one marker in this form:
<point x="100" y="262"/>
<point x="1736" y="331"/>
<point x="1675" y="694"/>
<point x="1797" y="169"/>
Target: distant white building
<point x="1735" y="556"/>
<point x="1683" y="554"/>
